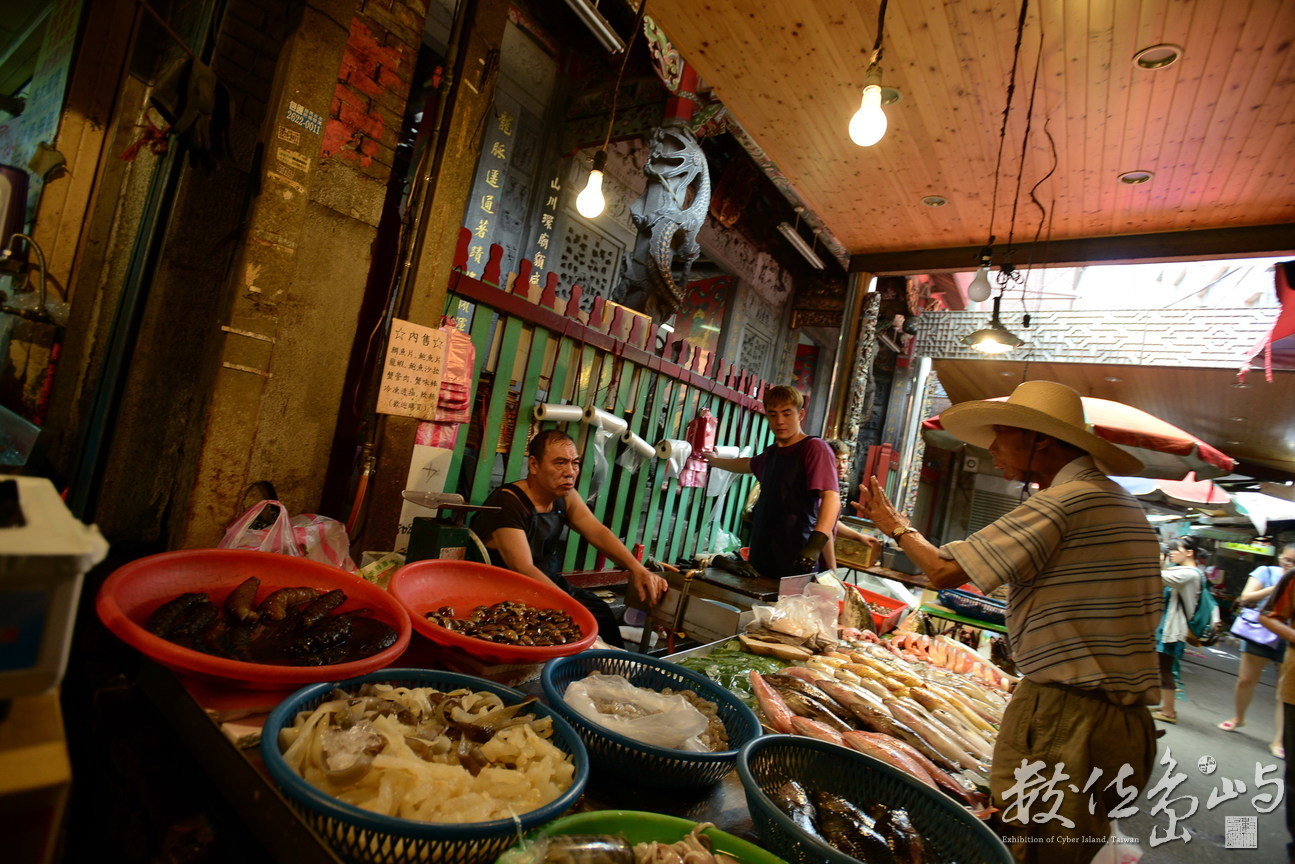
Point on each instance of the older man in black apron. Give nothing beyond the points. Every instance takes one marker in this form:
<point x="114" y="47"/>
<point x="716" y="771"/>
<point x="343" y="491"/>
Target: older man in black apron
<point x="524" y="534"/>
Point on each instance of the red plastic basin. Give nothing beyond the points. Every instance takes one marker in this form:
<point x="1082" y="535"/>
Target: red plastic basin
<point x="426" y="586"/>
<point x="132" y="593"/>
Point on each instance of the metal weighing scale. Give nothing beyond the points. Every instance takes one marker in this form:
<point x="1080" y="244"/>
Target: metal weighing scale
<point x="445" y="537"/>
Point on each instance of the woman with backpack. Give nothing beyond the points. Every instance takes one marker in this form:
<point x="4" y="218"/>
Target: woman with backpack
<point x="1184" y="584"/>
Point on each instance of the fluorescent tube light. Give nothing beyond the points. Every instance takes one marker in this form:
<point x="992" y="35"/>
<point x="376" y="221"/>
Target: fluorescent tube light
<point x="793" y="236"/>
<point x="597" y="24"/>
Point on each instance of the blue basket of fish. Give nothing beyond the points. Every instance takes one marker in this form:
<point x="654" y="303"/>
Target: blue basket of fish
<point x="813" y="802"/>
<point x="970" y="605"/>
<point x="445" y="788"/>
<point x="647" y="764"/>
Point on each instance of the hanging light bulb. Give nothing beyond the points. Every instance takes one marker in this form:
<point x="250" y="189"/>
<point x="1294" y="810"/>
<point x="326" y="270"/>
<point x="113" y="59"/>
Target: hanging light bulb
<point x="980" y="289"/>
<point x="590" y="202"/>
<point x="868" y="124"/>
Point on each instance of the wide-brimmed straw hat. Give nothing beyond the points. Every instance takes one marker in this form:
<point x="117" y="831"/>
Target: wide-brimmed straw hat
<point x="1040" y="406"/>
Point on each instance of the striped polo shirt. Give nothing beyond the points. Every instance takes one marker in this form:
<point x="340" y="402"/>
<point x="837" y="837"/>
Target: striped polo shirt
<point x="1082" y="566"/>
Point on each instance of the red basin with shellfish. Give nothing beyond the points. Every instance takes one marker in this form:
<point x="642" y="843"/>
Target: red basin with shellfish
<point x="425" y="586"/>
<point x="134" y="591"/>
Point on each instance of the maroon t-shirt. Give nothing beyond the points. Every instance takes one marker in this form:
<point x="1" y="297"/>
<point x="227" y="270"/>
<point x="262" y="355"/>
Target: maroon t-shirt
<point x="791" y="479"/>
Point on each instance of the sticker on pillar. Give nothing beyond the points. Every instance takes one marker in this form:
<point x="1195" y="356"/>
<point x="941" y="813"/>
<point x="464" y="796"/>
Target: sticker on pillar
<point x="304" y="117"/>
<point x="292" y="159"/>
<point x="412" y="371"/>
<point x="291" y="136"/>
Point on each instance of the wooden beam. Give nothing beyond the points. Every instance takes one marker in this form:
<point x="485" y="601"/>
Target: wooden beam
<point x="1251" y="242"/>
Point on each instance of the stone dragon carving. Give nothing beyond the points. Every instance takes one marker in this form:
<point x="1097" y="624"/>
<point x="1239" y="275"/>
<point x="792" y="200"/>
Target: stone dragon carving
<point x="668" y="216"/>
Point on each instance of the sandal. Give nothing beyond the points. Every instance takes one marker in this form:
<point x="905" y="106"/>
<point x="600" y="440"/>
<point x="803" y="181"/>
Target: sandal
<point x="1163" y="717"/>
<point x="1229" y="726"/>
<point x="1277" y="750"/>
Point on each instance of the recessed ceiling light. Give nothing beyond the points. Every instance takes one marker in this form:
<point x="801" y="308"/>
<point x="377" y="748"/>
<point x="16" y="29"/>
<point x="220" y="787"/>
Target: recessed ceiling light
<point x="1158" y="56"/>
<point x="1113" y="379"/>
<point x="1007" y="374"/>
<point x="935" y="200"/>
<point x="1136" y="178"/>
<point x="1237" y="419"/>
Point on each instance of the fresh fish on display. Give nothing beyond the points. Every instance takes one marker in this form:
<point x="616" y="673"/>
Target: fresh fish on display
<point x="848" y="828"/>
<point x="875" y="744"/>
<point x="792" y="799"/>
<point x="933" y="737"/>
<point x="783" y="682"/>
<point x="906" y="844"/>
<point x="771" y="704"/>
<point x="805" y="706"/>
<point x="813" y="729"/>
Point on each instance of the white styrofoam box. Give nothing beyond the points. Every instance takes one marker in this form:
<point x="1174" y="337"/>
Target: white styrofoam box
<point x="42" y="565"/>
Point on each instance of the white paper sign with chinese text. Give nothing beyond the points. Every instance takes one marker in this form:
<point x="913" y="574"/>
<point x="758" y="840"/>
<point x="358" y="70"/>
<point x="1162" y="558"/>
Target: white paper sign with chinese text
<point x="412" y="370"/>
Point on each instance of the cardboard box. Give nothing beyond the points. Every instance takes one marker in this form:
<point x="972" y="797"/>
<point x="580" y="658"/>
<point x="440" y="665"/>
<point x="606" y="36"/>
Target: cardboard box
<point x="42" y="564"/>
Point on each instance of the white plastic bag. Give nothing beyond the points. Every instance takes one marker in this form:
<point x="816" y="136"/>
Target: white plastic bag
<point x="318" y="538"/>
<point x="645" y="715"/>
<point x="276" y="537"/>
<point x="803" y="615"/>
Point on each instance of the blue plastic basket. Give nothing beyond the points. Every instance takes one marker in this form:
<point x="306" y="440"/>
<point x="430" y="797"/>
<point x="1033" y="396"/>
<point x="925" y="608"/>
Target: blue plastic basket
<point x="970" y="605"/>
<point x="657" y="767"/>
<point x="360" y="836"/>
<point x="768" y="762"/>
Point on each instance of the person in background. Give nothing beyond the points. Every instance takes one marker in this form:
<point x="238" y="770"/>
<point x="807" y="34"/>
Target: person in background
<point x="1254" y="657"/>
<point x="793" y="520"/>
<point x="842" y="452"/>
<point x="1183" y="583"/>
<point x="1278" y="617"/>
<point x="1082" y="566"/>
<point x="523" y="536"/>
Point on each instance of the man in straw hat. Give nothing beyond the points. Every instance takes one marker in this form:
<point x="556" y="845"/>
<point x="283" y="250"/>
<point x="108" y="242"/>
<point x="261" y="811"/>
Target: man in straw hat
<point x="1082" y="568"/>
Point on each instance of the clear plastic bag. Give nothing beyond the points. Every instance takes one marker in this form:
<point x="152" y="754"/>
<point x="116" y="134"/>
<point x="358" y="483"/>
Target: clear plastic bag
<point x="812" y="613"/>
<point x="645" y="715"/>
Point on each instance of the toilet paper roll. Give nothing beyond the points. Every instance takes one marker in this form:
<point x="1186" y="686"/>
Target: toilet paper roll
<point x="558" y="413"/>
<point x="675" y="452"/>
<point x="604" y="420"/>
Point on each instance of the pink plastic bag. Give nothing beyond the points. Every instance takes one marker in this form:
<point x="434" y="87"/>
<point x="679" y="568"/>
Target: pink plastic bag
<point x="324" y="539"/>
<point x="276" y="537"/>
<point x="318" y="538"/>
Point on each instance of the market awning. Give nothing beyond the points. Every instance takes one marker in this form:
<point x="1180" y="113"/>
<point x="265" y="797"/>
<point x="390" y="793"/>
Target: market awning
<point x="1167" y="452"/>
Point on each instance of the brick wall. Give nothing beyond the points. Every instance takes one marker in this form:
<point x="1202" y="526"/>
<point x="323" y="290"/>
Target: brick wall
<point x="373" y="84"/>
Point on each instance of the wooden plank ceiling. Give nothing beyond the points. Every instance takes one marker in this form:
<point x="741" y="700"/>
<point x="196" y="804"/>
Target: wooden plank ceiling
<point x="1215" y="128"/>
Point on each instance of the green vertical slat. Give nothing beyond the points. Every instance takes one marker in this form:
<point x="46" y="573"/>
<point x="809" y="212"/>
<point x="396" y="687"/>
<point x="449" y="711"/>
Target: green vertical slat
<point x="529" y="393"/>
<point x="618" y="367"/>
<point x="685" y="513"/>
<point x="724" y="435"/>
<point x="655" y="498"/>
<point x="585" y="386"/>
<point x="649" y="430"/>
<point x="630" y="487"/>
<point x="678" y="423"/>
<point x="482" y="328"/>
<point x="495" y="411"/>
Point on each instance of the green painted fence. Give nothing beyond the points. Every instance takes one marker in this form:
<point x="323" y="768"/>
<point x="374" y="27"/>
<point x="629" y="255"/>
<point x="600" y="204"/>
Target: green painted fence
<point x="528" y="353"/>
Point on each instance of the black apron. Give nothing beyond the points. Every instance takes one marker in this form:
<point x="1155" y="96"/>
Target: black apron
<point x="543" y="531"/>
<point x="784" y="515"/>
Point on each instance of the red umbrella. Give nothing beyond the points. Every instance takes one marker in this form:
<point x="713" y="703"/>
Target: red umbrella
<point x="1167" y="452"/>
